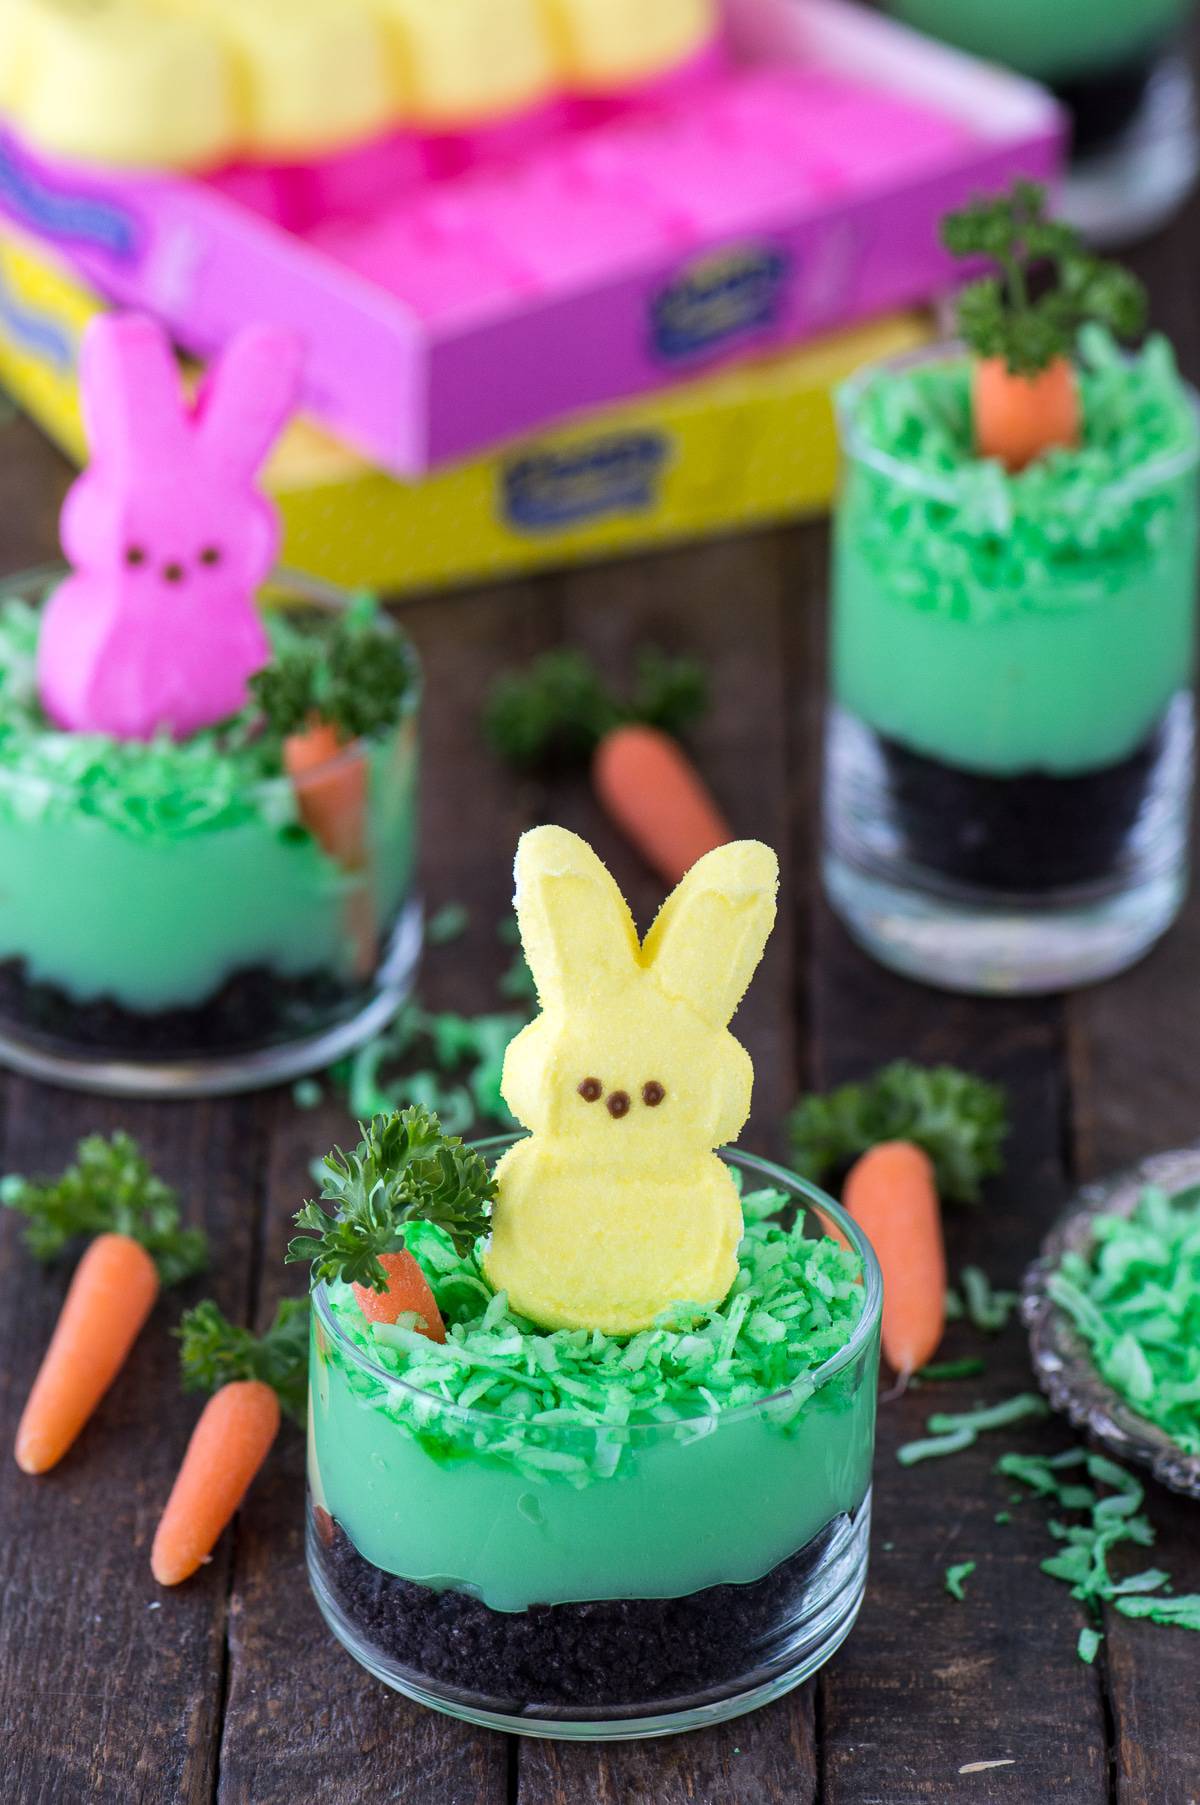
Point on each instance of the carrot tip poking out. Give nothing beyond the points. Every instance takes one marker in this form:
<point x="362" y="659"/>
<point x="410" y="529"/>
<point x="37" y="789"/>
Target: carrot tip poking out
<point x="233" y="1437"/>
<point x="1019" y="418"/>
<point x="408" y="1291"/>
<point x="892" y="1196"/>
<point x="110" y="1296"/>
<point x="652" y="791"/>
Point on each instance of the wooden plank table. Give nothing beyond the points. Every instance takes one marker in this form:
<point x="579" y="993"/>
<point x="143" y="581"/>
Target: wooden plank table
<point x="230" y="1689"/>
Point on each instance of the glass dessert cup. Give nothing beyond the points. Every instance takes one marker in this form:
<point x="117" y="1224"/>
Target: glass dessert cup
<point x="580" y="1582"/>
<point x="1117" y="67"/>
<point x="1009" y="750"/>
<point x="167" y="924"/>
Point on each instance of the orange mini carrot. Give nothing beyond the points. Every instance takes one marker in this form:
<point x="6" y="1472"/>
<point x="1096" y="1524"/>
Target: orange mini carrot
<point x="110" y="1297"/>
<point x="891" y="1193"/>
<point x="330" y="782"/>
<point x="650" y="788"/>
<point x="1019" y="418"/>
<point x="408" y="1290"/>
<point x="233" y="1437"/>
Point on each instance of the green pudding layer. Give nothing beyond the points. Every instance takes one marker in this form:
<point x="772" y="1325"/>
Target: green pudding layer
<point x="1069" y="40"/>
<point x="1013" y="623"/>
<point x="531" y="1468"/>
<point x="151" y="874"/>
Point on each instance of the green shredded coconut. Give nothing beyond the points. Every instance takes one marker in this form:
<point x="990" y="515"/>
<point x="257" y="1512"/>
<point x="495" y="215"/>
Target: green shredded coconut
<point x="985" y="1308"/>
<point x="950" y="1434"/>
<point x="446" y="1063"/>
<point x="1135" y="1299"/>
<point x="1089" y="1644"/>
<point x="974" y="541"/>
<point x="793" y="1305"/>
<point x="449" y="923"/>
<point x="957" y="1576"/>
<point x="971" y="1368"/>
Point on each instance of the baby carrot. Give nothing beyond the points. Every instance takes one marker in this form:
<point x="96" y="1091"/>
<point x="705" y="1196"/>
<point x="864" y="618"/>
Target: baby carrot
<point x="110" y="1297"/>
<point x="408" y="1290"/>
<point x="650" y="788"/>
<point x="330" y="781"/>
<point x="891" y="1194"/>
<point x="329" y="778"/>
<point x="229" y="1444"/>
<point x="1018" y="418"/>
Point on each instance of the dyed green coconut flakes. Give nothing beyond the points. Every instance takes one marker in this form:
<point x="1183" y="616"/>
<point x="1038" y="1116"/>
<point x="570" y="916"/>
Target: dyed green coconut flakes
<point x="1135" y="1299"/>
<point x="794" y="1305"/>
<point x="962" y="535"/>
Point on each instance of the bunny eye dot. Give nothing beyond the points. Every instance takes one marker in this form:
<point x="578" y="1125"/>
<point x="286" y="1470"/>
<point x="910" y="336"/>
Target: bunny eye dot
<point x="134" y="555"/>
<point x="652" y="1094"/>
<point x="173" y="573"/>
<point x="618" y="1105"/>
<point x="591" y="1090"/>
<point x="210" y="555"/>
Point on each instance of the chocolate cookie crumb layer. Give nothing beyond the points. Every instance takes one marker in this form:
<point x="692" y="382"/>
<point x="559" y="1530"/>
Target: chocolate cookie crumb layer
<point x="636" y="1657"/>
<point x="253" y="1008"/>
<point x="1027" y="833"/>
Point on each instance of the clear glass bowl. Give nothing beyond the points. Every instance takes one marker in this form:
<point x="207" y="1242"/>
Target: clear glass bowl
<point x="1009" y="750"/>
<point x="170" y="927"/>
<point x="594" y="1583"/>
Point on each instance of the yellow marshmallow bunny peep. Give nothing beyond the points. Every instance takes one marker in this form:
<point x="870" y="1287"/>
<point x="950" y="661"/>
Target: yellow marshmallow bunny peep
<point x="616" y="1206"/>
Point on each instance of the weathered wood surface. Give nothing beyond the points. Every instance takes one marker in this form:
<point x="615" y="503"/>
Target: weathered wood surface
<point x="231" y="1690"/>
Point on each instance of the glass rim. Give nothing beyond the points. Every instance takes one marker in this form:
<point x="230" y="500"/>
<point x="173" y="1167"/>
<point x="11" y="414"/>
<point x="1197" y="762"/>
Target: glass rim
<point x="283" y="583"/>
<point x="779" y="1178"/>
<point x="854" y="446"/>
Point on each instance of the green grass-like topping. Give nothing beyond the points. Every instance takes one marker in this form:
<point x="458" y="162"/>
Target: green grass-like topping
<point x="962" y="534"/>
<point x="1135" y="1299"/>
<point x="794" y="1304"/>
<point x="164" y="789"/>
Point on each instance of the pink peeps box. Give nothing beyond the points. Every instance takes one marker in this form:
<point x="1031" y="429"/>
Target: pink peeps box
<point x="794" y="186"/>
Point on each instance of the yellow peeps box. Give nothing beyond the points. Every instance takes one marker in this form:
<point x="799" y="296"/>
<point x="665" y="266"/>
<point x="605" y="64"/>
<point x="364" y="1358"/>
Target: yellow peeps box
<point x="749" y="446"/>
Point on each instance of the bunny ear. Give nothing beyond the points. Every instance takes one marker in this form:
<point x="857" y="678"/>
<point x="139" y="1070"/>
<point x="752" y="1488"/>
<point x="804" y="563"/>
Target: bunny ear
<point x="710" y="933"/>
<point x="133" y="403"/>
<point x="576" y="928"/>
<point x="247" y="396"/>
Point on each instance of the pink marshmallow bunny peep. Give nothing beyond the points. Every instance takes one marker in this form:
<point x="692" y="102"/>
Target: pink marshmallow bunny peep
<point x="168" y="535"/>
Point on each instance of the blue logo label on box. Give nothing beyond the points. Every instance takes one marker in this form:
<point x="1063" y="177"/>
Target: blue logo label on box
<point x="38" y="333"/>
<point x="549" y="491"/>
<point x="56" y="213"/>
<point x="725" y="296"/>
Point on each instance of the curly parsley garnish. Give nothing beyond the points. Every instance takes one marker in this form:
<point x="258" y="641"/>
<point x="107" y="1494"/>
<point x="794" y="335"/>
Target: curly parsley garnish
<point x="214" y="1352"/>
<point x="960" y="1121"/>
<point x="556" y="712"/>
<point x="110" y="1189"/>
<point x="405" y="1169"/>
<point x="1000" y="316"/>
<point x="353" y="677"/>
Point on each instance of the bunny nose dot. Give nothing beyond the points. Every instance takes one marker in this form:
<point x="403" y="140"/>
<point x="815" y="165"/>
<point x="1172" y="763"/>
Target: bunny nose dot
<point x="173" y="573"/>
<point x="618" y="1105"/>
<point x="591" y="1090"/>
<point x="652" y="1094"/>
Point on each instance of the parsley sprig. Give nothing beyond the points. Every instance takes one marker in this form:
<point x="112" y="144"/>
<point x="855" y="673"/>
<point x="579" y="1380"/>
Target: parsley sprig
<point x="554" y="713"/>
<point x="214" y="1352"/>
<point x="959" y="1120"/>
<point x="354" y="677"/>
<point x="1000" y="315"/>
<point x="405" y="1169"/>
<point x="110" y="1189"/>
